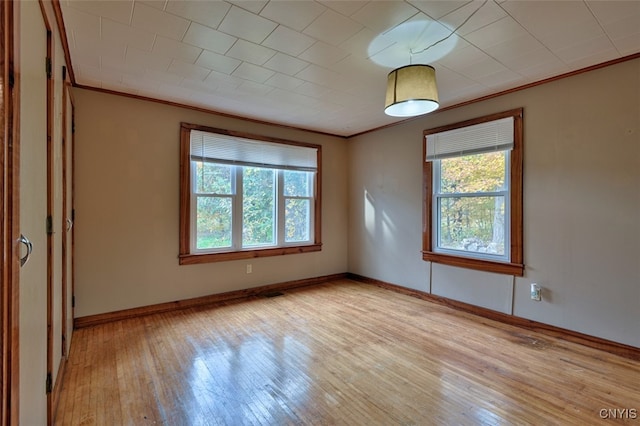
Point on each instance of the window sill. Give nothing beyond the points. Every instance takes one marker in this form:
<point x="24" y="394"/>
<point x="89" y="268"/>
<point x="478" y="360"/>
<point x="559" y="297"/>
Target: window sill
<point x="478" y="264"/>
<point x="193" y="259"/>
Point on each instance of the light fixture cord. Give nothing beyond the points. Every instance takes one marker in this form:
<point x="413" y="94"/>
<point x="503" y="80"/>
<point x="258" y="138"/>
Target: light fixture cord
<point x="452" y="32"/>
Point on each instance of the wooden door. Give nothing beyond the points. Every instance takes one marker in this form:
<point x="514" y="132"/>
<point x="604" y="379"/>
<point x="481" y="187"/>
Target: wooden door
<point x="67" y="217"/>
<point x="33" y="48"/>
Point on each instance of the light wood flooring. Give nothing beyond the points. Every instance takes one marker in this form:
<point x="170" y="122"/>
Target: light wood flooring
<point x="341" y="353"/>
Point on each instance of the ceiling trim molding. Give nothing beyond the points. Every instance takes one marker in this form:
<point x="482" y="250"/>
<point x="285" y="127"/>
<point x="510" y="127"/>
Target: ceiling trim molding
<point x="206" y="110"/>
<point x="509" y="91"/>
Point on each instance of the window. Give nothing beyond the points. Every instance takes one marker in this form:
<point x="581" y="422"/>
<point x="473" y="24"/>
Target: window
<point x="473" y="194"/>
<point x="246" y="196"/>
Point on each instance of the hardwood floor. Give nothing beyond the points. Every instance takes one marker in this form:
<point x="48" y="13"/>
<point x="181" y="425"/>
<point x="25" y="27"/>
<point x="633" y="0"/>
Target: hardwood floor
<point x="338" y="353"/>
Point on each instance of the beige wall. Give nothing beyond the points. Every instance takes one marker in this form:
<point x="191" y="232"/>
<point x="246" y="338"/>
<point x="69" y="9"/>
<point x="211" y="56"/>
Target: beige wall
<point x="127" y="199"/>
<point x="581" y="206"/>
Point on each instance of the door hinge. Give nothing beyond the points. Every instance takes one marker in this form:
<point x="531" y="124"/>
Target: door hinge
<point x="48" y="67"/>
<point x="73" y="215"/>
<point x="49" y="225"/>
<point x="49" y="383"/>
<point x="12" y="79"/>
<point x="64" y="73"/>
<point x="73" y="301"/>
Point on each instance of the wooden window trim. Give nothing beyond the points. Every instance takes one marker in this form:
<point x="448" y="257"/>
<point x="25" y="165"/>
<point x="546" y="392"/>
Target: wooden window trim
<point x="185" y="256"/>
<point x="516" y="265"/>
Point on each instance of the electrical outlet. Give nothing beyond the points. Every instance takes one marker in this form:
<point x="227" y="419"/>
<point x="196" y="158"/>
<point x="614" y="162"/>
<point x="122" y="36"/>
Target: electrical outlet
<point x="249" y="268"/>
<point x="536" y="292"/>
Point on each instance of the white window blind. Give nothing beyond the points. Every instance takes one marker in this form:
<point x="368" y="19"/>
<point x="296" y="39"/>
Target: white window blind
<point x="228" y="149"/>
<point x="477" y="139"/>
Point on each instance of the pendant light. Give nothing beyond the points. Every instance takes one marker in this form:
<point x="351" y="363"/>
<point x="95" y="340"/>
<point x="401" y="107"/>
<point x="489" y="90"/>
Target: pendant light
<point x="411" y="91"/>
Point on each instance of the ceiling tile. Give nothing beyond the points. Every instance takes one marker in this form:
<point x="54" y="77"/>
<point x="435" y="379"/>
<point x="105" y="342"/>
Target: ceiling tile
<point x="529" y="59"/>
<point x="382" y="15"/>
<point x="190" y="71"/>
<point x="500" y="80"/>
<point x="347" y="8"/>
<point x="198" y="86"/>
<point x="223" y="81"/>
<point x="245" y="25"/>
<point x="591" y="47"/>
<point x="624" y="27"/>
<point x="496" y="33"/>
<point x="362" y="72"/>
<point x="596" y="58"/>
<point x="290" y="98"/>
<point x="175" y="49"/>
<point x="154" y="20"/>
<point x="208" y="13"/>
<point x="323" y="77"/>
<point x="117" y="10"/>
<point x="158" y="4"/>
<point x="312" y="64"/>
<point x="254" y="88"/>
<point x="547" y="21"/>
<point x="609" y="12"/>
<point x="483" y="15"/>
<point x="217" y="62"/>
<point x="285" y="64"/>
<point x="312" y="89"/>
<point x="437" y="9"/>
<point x="253" y="6"/>
<point x="143" y="59"/>
<point x="428" y="39"/>
<point x="514" y="47"/>
<point x="87" y="58"/>
<point x="250" y="52"/>
<point x="628" y="45"/>
<point x="162" y="77"/>
<point x="294" y="14"/>
<point x="323" y="54"/>
<point x="333" y="28"/>
<point x="284" y="81"/>
<point x="209" y="39"/>
<point x="81" y="24"/>
<point x="122" y="67"/>
<point x="253" y="72"/>
<point x="140" y="83"/>
<point x="118" y="33"/>
<point x="542" y="70"/>
<point x="481" y="68"/>
<point x="463" y="57"/>
<point x="362" y="44"/>
<point x="288" y="41"/>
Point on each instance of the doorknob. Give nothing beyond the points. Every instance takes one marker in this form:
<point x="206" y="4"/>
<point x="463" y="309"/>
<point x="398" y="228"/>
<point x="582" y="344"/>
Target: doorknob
<point x="69" y="224"/>
<point x="24" y="240"/>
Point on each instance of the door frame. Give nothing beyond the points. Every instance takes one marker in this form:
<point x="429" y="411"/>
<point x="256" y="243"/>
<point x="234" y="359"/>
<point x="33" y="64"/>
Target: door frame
<point x="10" y="217"/>
<point x="50" y="214"/>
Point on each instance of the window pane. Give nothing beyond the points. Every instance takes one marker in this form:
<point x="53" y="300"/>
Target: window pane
<point x="297" y="220"/>
<point x="474" y="224"/>
<point x="297" y="184"/>
<point x="258" y="206"/>
<point x="473" y="173"/>
<point x="212" y="178"/>
<point x="213" y="225"/>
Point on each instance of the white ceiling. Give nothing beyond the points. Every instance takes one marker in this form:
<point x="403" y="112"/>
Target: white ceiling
<point x="322" y="65"/>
